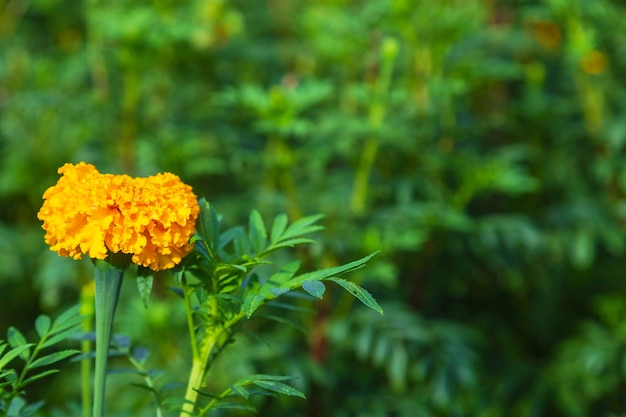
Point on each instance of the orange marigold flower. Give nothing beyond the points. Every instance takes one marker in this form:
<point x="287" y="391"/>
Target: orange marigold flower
<point x="95" y="214"/>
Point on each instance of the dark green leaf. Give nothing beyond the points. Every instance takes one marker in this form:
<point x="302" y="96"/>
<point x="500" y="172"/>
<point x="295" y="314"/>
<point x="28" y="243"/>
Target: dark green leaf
<point x="302" y="226"/>
<point x="62" y="335"/>
<point x="143" y="387"/>
<point x="13" y="353"/>
<point x="39" y="376"/>
<point x="315" y="288"/>
<point x="42" y="325"/>
<point x="241" y="242"/>
<point x="258" y="234"/>
<point x="66" y="319"/>
<point x="144" y="286"/>
<point x="280" y="388"/>
<point x="31" y="409"/>
<point x="231" y="406"/>
<point x="251" y="303"/>
<point x="208" y="226"/>
<point x="278" y="228"/>
<point x="359" y="292"/>
<point x="329" y="272"/>
<point x="53" y="358"/>
<point x="239" y="390"/>
<point x="17" y="339"/>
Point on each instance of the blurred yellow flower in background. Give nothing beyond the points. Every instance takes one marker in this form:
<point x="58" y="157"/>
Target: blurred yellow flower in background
<point x="94" y="214"/>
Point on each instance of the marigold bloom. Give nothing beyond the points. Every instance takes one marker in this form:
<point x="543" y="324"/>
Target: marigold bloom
<point x="94" y="214"/>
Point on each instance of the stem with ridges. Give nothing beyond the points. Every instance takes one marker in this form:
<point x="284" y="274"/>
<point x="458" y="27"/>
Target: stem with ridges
<point x="108" y="284"/>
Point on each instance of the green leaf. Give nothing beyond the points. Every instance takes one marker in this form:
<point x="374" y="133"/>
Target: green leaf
<point x="359" y="292"/>
<point x="258" y="234"/>
<point x="143" y="387"/>
<point x="17" y="339"/>
<point x="284" y="274"/>
<point x="67" y="319"/>
<point x="302" y="226"/>
<point x="239" y="390"/>
<point x="39" y="376"/>
<point x="42" y="325"/>
<point x="241" y="242"/>
<point x="251" y="303"/>
<point x="280" y="388"/>
<point x="329" y="272"/>
<point x="53" y="358"/>
<point x="315" y="288"/>
<point x="231" y="406"/>
<point x="208" y="226"/>
<point x="62" y="335"/>
<point x="144" y="286"/>
<point x="279" y="227"/>
<point x="13" y="353"/>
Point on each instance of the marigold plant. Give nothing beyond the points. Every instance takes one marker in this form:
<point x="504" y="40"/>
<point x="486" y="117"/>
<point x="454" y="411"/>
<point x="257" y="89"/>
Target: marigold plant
<point x="95" y="214"/>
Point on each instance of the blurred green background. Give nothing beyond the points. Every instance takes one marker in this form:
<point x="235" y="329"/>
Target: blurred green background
<point x="479" y="144"/>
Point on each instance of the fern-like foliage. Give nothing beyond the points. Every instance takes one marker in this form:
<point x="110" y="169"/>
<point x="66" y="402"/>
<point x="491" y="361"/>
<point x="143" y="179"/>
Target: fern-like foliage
<point x="36" y="359"/>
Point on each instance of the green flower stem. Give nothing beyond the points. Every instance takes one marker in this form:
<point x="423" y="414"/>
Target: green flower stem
<point x="196" y="377"/>
<point x="213" y="340"/>
<point x="108" y="283"/>
<point x="86" y="310"/>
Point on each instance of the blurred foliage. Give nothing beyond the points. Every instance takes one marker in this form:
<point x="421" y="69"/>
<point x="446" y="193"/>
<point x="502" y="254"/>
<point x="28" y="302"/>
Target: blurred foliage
<point x="479" y="144"/>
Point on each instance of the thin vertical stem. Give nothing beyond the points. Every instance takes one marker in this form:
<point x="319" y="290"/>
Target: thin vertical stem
<point x="87" y="311"/>
<point x="108" y="284"/>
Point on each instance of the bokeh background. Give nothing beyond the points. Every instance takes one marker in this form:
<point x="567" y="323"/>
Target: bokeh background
<point x="478" y="144"/>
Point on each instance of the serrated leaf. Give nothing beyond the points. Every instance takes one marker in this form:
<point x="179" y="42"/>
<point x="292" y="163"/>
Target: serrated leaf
<point x="280" y="388"/>
<point x="241" y="391"/>
<point x="143" y="387"/>
<point x="39" y="376"/>
<point x="42" y="325"/>
<point x="15" y="407"/>
<point x="17" y="339"/>
<point x="31" y="409"/>
<point x="360" y="293"/>
<point x="257" y="232"/>
<point x="315" y="288"/>
<point x="284" y="274"/>
<point x="277" y="291"/>
<point x="208" y="226"/>
<point x="53" y="358"/>
<point x="241" y="243"/>
<point x="329" y="272"/>
<point x="251" y="303"/>
<point x="290" y="243"/>
<point x="13" y="353"/>
<point x="302" y="226"/>
<point x="278" y="227"/>
<point x="231" y="406"/>
<point x="66" y="319"/>
<point x="262" y="377"/>
<point x="144" y="286"/>
<point x="60" y="336"/>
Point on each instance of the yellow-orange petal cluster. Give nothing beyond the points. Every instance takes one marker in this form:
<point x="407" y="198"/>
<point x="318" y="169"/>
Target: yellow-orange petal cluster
<point x="95" y="214"/>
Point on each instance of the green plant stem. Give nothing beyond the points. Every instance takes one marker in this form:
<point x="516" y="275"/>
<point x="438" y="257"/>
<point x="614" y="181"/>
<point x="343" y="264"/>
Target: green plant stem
<point x="87" y="310"/>
<point x="108" y="284"/>
<point x="213" y="338"/>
